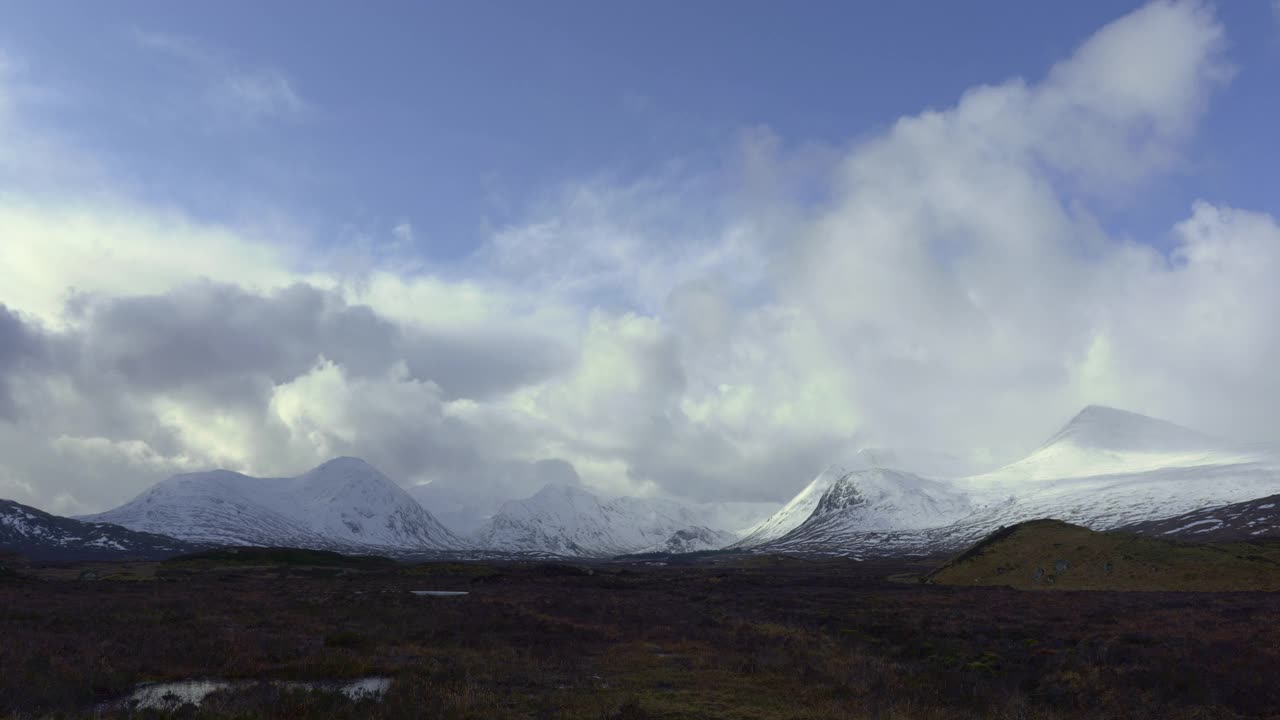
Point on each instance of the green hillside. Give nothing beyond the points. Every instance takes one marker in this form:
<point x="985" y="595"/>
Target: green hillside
<point x="1054" y="555"/>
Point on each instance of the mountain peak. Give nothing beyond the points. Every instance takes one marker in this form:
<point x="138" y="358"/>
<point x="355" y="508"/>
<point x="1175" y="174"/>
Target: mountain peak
<point x="345" y="463"/>
<point x="1103" y="413"/>
<point x="1107" y="428"/>
<point x="558" y="490"/>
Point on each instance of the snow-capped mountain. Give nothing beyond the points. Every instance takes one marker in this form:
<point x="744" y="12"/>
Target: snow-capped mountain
<point x="565" y="520"/>
<point x="1104" y="469"/>
<point x="40" y="536"/>
<point x="794" y="513"/>
<point x="343" y="504"/>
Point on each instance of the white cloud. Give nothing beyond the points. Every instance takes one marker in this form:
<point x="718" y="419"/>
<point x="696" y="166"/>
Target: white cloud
<point x="57" y="248"/>
<point x="233" y="91"/>
<point x="950" y="289"/>
<point x="257" y="93"/>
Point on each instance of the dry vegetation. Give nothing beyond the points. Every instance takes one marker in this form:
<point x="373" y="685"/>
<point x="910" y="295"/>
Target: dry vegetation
<point x="750" y="639"/>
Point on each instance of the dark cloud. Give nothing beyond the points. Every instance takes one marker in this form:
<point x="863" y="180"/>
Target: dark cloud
<point x="231" y="343"/>
<point x="21" y="346"/>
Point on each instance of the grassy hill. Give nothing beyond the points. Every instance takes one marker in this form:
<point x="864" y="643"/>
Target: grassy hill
<point x="1054" y="555"/>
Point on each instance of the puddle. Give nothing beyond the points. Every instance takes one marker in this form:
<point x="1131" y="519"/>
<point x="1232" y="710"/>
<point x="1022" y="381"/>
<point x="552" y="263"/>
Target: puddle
<point x="438" y="593"/>
<point x="370" y="688"/>
<point x="173" y="695"/>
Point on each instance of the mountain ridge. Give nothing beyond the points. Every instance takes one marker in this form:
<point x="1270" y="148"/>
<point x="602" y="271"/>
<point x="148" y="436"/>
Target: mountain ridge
<point x="342" y="503"/>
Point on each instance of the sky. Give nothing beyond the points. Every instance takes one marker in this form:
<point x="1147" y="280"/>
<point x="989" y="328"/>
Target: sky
<point x="698" y="250"/>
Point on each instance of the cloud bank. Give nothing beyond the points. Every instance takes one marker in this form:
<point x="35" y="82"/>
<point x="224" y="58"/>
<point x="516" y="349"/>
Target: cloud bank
<point x="715" y="335"/>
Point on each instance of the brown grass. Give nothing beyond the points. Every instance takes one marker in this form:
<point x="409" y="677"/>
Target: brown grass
<point x="766" y="641"/>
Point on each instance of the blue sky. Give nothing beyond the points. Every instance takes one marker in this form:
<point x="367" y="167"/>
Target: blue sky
<point x="456" y="116"/>
<point x="688" y="249"/>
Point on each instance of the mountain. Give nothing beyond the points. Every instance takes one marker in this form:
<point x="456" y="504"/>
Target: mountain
<point x="1106" y="441"/>
<point x="1250" y="520"/>
<point x="344" y="504"/>
<point x="38" y="535"/>
<point x="857" y="505"/>
<point x="794" y="513"/>
<point x="1105" y="468"/>
<point x="567" y="520"/>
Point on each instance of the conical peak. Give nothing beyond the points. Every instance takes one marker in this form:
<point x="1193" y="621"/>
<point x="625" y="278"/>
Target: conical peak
<point x="1099" y="426"/>
<point x="1106" y="413"/>
<point x="346" y="463"/>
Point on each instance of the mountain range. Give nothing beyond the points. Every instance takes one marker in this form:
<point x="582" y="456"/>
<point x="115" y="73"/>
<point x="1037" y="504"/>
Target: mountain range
<point x="1104" y="469"/>
<point x="344" y="504"/>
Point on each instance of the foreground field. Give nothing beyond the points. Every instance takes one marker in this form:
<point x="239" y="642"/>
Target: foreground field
<point x="756" y="638"/>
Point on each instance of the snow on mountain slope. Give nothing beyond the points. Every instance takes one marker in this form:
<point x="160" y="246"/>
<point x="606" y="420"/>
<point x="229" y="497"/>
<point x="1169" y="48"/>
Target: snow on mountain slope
<point x="1105" y="468"/>
<point x="40" y="536"/>
<point x="348" y="500"/>
<point x="876" y="500"/>
<point x="913" y="463"/>
<point x="1109" y="467"/>
<point x="1106" y="441"/>
<point x="344" y="503"/>
<point x="795" y="512"/>
<point x="564" y="520"/>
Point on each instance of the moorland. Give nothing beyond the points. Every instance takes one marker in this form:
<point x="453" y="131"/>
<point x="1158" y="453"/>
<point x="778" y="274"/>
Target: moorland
<point x="724" y="637"/>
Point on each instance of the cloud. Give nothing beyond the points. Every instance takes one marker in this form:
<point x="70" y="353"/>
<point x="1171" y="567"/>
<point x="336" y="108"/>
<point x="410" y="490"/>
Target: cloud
<point x="233" y="91"/>
<point x="716" y="333"/>
<point x="20" y="345"/>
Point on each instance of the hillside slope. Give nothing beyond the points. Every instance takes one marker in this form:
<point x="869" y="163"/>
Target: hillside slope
<point x="1050" y="554"/>
<point x="38" y="535"/>
<point x="1250" y="520"/>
